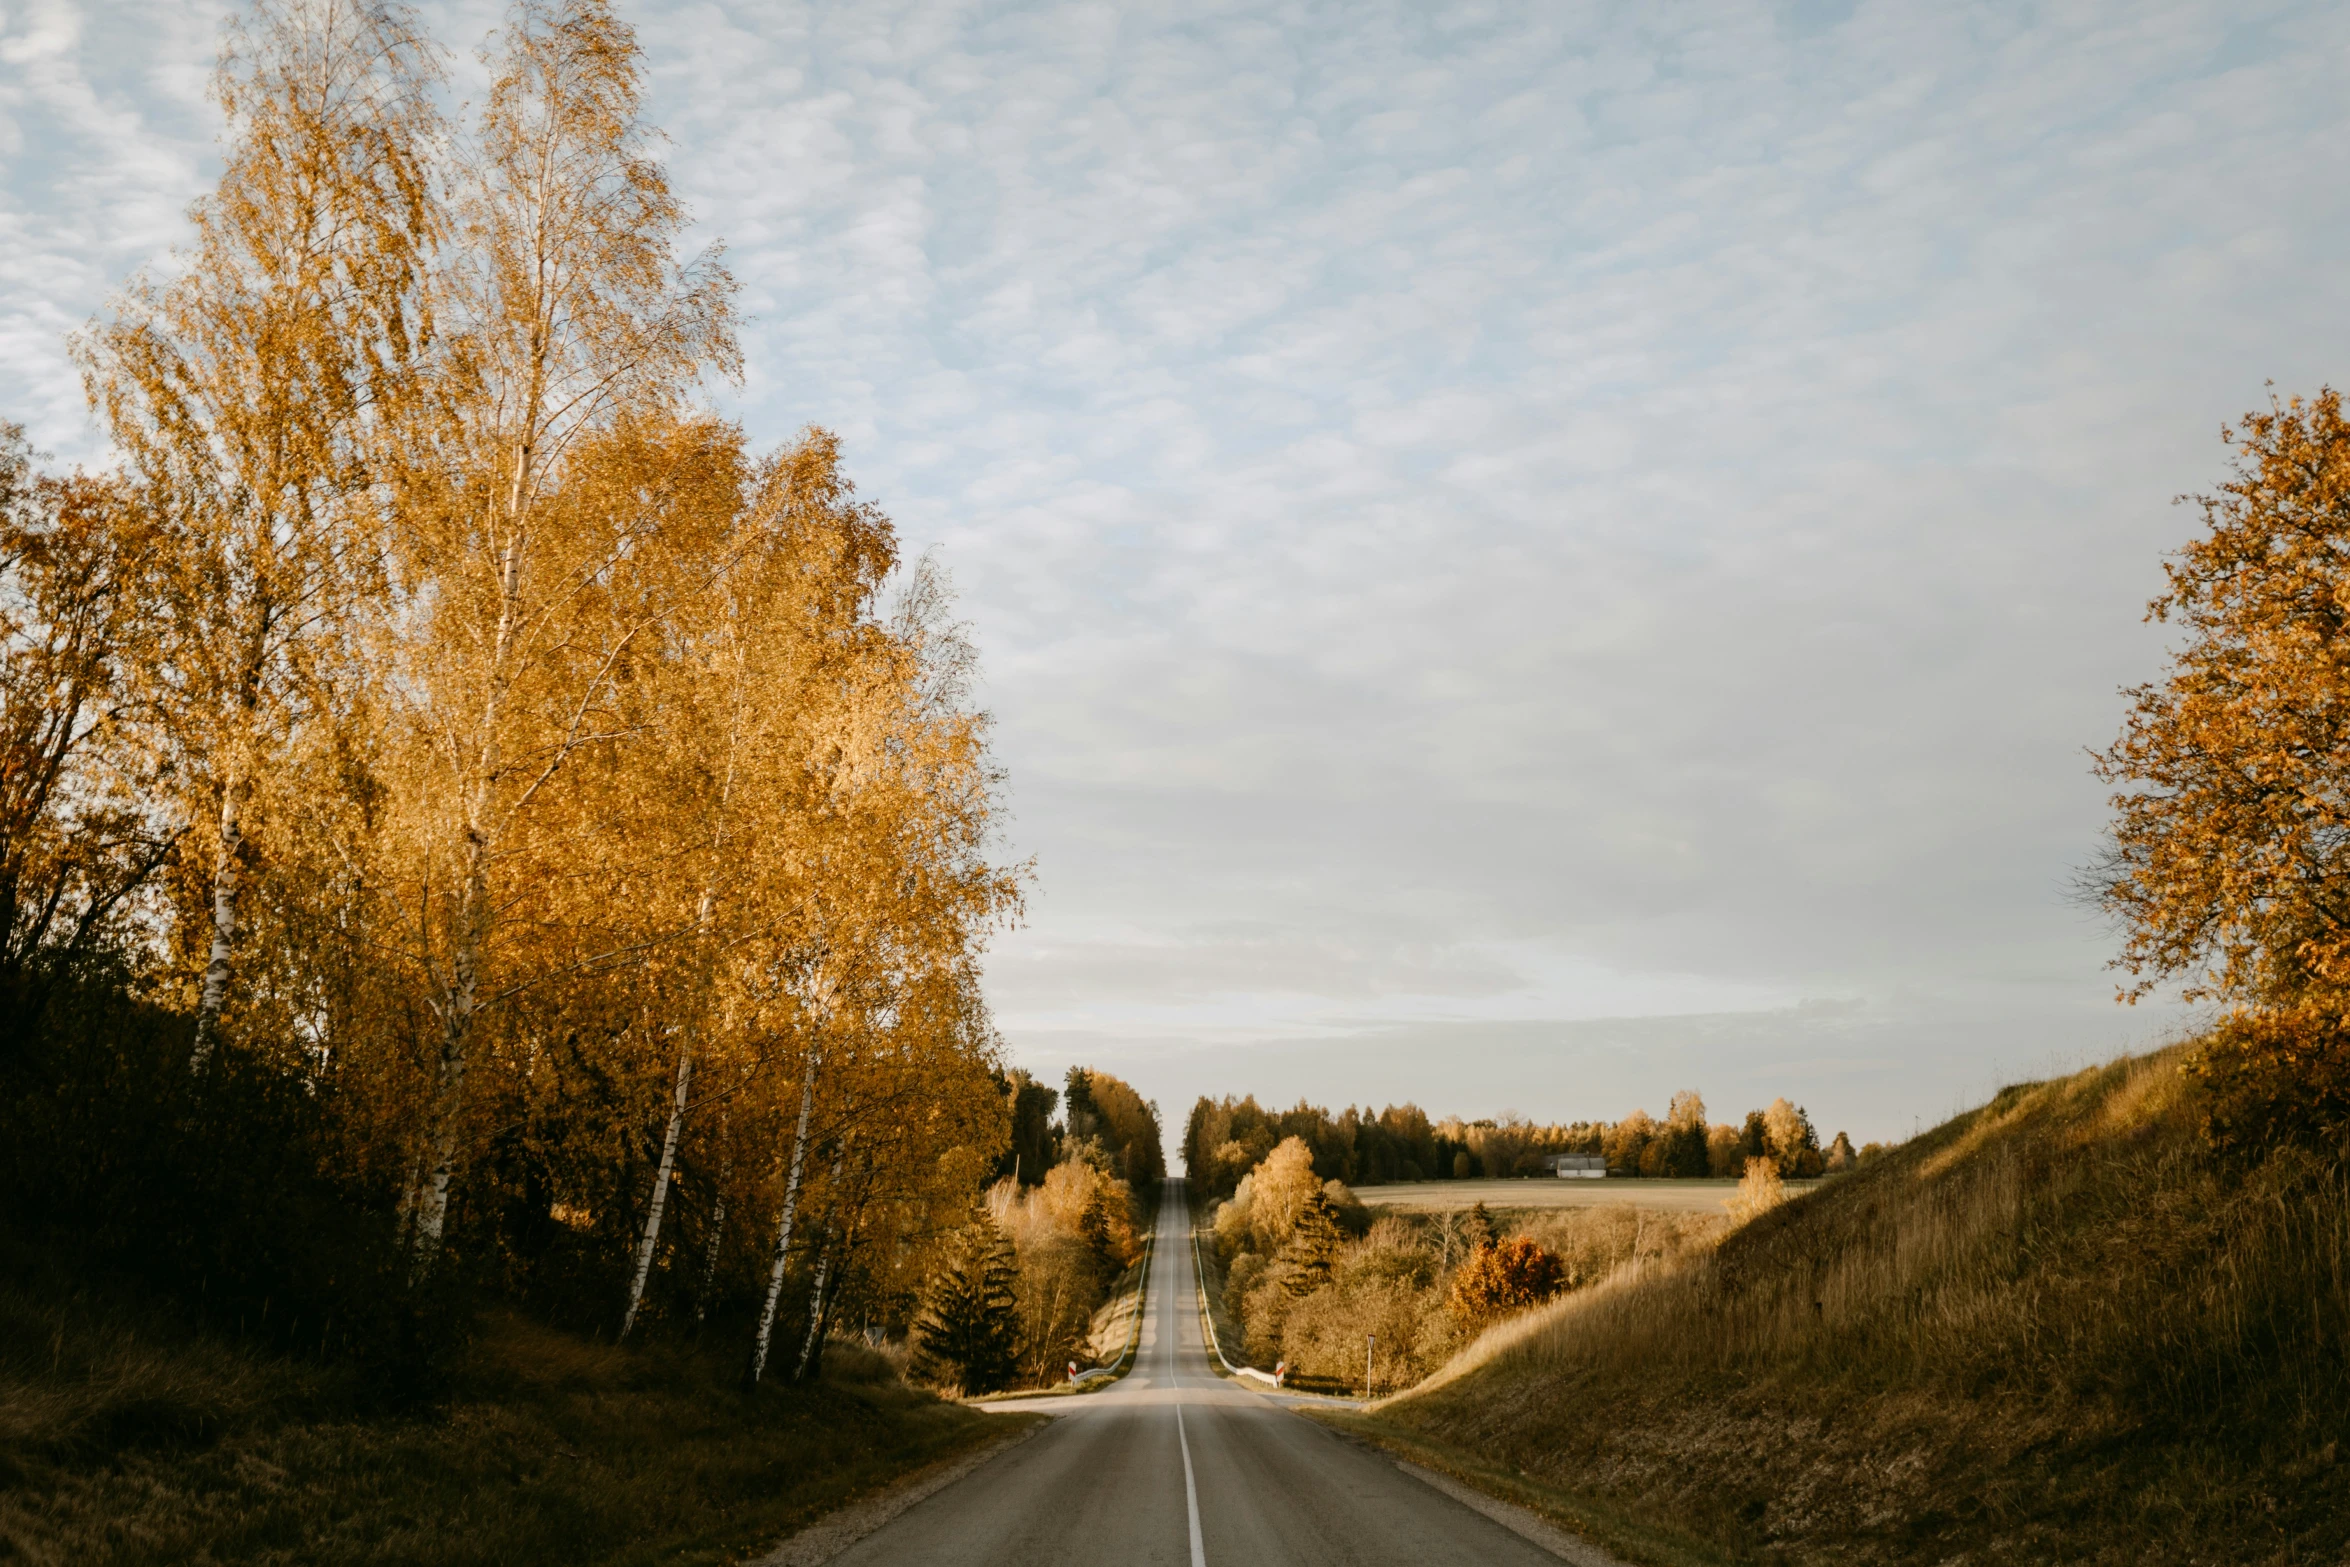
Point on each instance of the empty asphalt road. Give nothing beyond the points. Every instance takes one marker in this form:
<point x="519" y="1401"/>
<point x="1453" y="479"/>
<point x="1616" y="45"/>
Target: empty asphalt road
<point x="1176" y="1465"/>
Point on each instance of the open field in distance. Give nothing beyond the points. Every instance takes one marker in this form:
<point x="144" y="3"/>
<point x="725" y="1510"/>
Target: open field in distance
<point x="1546" y="1191"/>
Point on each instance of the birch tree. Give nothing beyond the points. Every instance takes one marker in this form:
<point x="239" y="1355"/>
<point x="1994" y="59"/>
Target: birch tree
<point x="787" y="1212"/>
<point x="526" y="759"/>
<point x="729" y="730"/>
<point x="573" y="319"/>
<point x="250" y="399"/>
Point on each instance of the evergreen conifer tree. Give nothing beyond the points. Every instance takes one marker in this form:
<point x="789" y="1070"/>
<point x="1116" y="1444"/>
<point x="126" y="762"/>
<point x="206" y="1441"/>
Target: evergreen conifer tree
<point x="966" y="1331"/>
<point x="1094" y="1226"/>
<point x="1077" y="1104"/>
<point x="1311" y="1252"/>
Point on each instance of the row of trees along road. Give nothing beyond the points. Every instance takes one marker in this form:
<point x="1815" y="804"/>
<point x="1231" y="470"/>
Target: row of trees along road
<point x="1102" y="1111"/>
<point x="1019" y="1293"/>
<point x="1223" y="1139"/>
<point x="464" y="754"/>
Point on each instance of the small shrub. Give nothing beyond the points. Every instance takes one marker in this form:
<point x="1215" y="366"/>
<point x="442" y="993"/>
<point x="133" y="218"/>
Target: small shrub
<point x="1324" y="1336"/>
<point x="1264" y="1313"/>
<point x="1239" y="1280"/>
<point x="2275" y="1079"/>
<point x="1758" y="1193"/>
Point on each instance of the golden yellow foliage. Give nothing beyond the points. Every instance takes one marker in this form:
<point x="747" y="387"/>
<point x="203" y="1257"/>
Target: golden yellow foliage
<point x="2230" y="864"/>
<point x="1758" y="1192"/>
<point x="543" y="766"/>
<point x="253" y="400"/>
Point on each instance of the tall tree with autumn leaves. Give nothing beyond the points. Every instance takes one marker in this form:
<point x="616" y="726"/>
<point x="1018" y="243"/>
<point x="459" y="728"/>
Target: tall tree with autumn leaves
<point x="550" y="519"/>
<point x="2229" y="867"/>
<point x="548" y="796"/>
<point x="254" y="399"/>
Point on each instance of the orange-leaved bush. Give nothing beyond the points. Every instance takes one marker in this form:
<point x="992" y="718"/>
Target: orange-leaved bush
<point x="2275" y="1077"/>
<point x="1501" y="1280"/>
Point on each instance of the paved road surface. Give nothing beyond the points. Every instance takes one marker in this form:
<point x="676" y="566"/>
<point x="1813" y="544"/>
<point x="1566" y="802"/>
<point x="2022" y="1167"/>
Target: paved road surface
<point x="1176" y="1465"/>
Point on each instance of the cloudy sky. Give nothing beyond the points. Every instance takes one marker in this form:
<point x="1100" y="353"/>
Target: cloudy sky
<point x="1527" y="556"/>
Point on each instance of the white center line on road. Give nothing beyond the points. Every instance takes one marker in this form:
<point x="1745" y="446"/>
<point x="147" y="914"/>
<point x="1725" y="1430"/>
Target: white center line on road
<point x="1199" y="1555"/>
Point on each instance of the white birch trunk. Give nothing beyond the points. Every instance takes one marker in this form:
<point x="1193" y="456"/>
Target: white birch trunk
<point x="432" y="1203"/>
<point x="791" y="1202"/>
<point x="717" y="1223"/>
<point x="466" y="936"/>
<point x="457" y="1006"/>
<point x="644" y="1250"/>
<point x="685" y="1077"/>
<point x="710" y="1261"/>
<point x="220" y="960"/>
<point x="823" y="1266"/>
<point x="815" y="1307"/>
<point x="405" y="1214"/>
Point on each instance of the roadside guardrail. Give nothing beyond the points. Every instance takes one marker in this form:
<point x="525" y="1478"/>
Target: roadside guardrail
<point x="1207" y="1315"/>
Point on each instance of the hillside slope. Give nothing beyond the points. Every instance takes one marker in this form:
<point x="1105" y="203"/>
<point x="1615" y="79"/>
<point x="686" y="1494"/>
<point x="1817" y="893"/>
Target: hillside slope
<point x="2055" y="1328"/>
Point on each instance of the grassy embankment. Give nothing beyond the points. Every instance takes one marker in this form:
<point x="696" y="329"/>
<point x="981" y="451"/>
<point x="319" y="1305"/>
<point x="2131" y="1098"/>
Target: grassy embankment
<point x="2057" y="1328"/>
<point x="124" y="1440"/>
<point x="1117" y="1327"/>
<point x="1116" y="1332"/>
<point x="1221" y="1329"/>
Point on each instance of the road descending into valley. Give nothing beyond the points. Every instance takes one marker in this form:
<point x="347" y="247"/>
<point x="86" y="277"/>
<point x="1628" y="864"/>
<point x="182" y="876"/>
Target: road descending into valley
<point x="1177" y="1465"/>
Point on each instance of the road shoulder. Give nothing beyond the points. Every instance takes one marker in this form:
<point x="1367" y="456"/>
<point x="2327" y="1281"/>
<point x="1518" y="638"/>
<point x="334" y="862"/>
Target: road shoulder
<point x="834" y="1533"/>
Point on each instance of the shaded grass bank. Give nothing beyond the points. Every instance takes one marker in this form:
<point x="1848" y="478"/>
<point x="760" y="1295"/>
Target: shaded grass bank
<point x="124" y="1440"/>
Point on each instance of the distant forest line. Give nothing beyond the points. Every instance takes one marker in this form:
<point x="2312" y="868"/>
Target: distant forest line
<point x="1223" y="1139"/>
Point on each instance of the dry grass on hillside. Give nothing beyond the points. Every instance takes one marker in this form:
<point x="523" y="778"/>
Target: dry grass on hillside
<point x="2054" y="1329"/>
<point x="1395" y="1282"/>
<point x="125" y="1441"/>
<point x="1598" y="1243"/>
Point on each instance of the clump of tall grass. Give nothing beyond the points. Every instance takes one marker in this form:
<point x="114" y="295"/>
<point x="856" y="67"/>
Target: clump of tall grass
<point x="1595" y="1242"/>
<point x="1759" y="1191"/>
